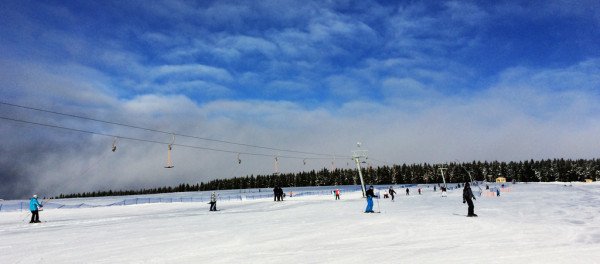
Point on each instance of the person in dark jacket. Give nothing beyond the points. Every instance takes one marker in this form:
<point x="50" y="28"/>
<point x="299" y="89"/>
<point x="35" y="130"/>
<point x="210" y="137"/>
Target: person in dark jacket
<point x="277" y="194"/>
<point x="468" y="198"/>
<point x="407" y="191"/>
<point x="370" y="194"/>
<point x="391" y="191"/>
<point x="34" y="207"/>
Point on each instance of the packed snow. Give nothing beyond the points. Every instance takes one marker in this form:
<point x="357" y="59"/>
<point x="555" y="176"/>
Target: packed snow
<point x="533" y="223"/>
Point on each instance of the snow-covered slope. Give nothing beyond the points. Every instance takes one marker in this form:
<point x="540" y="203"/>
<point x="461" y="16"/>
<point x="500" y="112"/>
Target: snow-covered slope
<point x="534" y="223"/>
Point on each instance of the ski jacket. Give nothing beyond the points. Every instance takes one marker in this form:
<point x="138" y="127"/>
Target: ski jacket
<point x="213" y="198"/>
<point x="392" y="192"/>
<point x="34" y="204"/>
<point x="371" y="193"/>
<point x="467" y="193"/>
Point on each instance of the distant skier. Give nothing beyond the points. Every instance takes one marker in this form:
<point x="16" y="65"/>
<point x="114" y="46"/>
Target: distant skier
<point x="213" y="201"/>
<point x="407" y="191"/>
<point x="468" y="198"/>
<point x="443" y="189"/>
<point x="281" y="194"/>
<point x="34" y="207"/>
<point x="497" y="192"/>
<point x="419" y="191"/>
<point x="276" y="195"/>
<point x="434" y="188"/>
<point x="337" y="194"/>
<point x="392" y="192"/>
<point x="370" y="194"/>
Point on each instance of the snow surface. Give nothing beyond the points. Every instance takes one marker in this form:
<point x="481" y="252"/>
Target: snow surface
<point x="534" y="223"/>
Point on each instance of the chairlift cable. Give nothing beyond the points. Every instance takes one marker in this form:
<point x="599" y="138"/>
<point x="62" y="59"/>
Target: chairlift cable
<point x="165" y="132"/>
<point x="157" y="142"/>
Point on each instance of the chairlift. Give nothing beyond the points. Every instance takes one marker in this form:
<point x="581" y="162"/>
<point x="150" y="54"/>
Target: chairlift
<point x="169" y="161"/>
<point x="114" y="145"/>
<point x="238" y="159"/>
<point x="304" y="161"/>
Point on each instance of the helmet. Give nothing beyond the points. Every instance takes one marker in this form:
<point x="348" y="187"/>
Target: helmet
<point x="35" y="196"/>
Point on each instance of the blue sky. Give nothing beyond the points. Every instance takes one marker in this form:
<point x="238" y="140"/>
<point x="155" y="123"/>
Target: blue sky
<point x="429" y="81"/>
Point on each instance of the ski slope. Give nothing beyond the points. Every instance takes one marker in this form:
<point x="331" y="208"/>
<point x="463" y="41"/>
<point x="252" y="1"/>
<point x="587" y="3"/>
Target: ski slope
<point x="534" y="223"/>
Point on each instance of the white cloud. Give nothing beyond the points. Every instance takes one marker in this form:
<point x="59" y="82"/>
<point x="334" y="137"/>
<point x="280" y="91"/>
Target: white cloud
<point x="190" y="71"/>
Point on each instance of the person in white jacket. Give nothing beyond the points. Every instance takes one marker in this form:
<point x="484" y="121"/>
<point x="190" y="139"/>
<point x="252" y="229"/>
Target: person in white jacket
<point x="213" y="201"/>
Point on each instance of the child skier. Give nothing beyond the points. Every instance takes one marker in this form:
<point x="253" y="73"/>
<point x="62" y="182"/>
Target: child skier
<point x="34" y="207"/>
<point x="467" y="196"/>
<point x="370" y="194"/>
<point x="392" y="192"/>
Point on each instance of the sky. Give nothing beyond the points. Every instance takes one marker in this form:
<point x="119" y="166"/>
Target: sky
<point x="430" y="81"/>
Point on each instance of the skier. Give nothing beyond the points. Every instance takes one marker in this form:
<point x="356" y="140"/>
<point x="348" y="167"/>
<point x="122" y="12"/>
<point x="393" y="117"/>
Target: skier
<point x="407" y="191"/>
<point x="337" y="194"/>
<point x="213" y="202"/>
<point x="497" y="192"/>
<point x="275" y="194"/>
<point x="34" y="207"/>
<point x="280" y="191"/>
<point x="419" y="191"/>
<point x="434" y="188"/>
<point x="391" y="191"/>
<point x="370" y="194"/>
<point x="468" y="198"/>
<point x="443" y="189"/>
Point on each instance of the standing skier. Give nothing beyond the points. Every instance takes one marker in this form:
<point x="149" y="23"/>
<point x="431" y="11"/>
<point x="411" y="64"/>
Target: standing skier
<point x="419" y="191"/>
<point x="213" y="202"/>
<point x="337" y="194"/>
<point x="407" y="191"/>
<point x="467" y="196"/>
<point x="370" y="194"/>
<point x="34" y="207"/>
<point x="443" y="189"/>
<point x="391" y="191"/>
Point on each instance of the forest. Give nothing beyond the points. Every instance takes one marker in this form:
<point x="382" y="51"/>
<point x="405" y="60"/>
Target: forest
<point x="523" y="171"/>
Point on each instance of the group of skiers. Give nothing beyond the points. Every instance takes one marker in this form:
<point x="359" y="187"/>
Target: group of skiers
<point x="278" y="194"/>
<point x="468" y="197"/>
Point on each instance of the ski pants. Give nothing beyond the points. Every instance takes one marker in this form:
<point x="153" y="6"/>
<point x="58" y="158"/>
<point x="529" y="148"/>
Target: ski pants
<point x="471" y="207"/>
<point x="392" y="196"/>
<point x="35" y="216"/>
<point x="369" y="205"/>
<point x="337" y="196"/>
<point x="213" y="206"/>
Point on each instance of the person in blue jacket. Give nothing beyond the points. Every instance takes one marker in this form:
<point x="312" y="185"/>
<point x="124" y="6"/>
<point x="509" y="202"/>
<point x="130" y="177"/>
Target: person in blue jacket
<point x="34" y="207"/>
<point x="370" y="194"/>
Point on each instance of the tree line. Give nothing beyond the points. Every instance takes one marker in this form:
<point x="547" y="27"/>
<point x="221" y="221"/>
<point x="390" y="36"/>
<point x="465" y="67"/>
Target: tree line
<point x="523" y="171"/>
